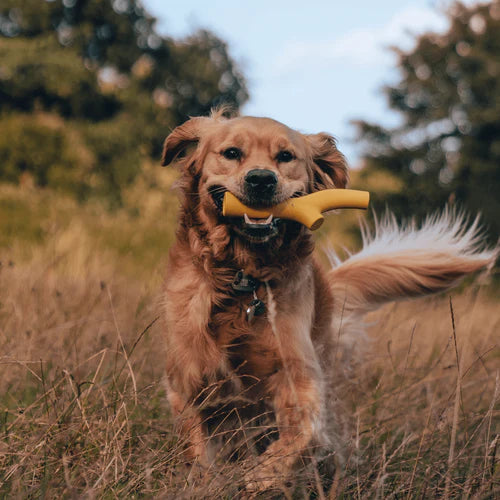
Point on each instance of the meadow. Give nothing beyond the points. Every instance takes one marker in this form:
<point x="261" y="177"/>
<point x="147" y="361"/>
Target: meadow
<point x="82" y="401"/>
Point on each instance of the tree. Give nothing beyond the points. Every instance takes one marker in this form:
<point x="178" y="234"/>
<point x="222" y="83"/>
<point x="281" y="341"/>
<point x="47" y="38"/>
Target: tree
<point x="120" y="87"/>
<point x="447" y="148"/>
<point x="40" y="74"/>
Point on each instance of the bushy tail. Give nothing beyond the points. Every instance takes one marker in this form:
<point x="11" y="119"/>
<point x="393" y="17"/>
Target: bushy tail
<point x="409" y="261"/>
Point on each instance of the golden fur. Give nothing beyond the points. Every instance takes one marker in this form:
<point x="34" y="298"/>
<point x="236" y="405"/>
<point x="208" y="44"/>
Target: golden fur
<point x="267" y="387"/>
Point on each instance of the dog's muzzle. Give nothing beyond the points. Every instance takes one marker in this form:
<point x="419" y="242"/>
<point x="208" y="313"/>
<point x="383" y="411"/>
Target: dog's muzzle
<point x="260" y="186"/>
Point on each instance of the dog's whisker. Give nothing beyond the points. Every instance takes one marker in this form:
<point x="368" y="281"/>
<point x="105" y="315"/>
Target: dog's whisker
<point x="217" y="190"/>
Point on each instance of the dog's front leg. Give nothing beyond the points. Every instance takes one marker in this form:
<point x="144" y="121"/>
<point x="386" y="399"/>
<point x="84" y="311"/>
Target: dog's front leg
<point x="190" y="381"/>
<point x="297" y="402"/>
<point x="190" y="428"/>
<point x="193" y="357"/>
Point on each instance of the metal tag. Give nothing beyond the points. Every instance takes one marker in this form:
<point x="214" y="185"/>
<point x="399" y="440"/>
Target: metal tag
<point x="255" y="308"/>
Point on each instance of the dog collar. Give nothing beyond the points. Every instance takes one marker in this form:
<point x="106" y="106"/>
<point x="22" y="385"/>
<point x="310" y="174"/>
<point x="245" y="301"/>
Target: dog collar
<point x="245" y="283"/>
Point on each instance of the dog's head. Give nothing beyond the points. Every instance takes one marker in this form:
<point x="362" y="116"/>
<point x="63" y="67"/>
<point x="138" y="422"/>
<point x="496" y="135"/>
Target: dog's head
<point x="259" y="160"/>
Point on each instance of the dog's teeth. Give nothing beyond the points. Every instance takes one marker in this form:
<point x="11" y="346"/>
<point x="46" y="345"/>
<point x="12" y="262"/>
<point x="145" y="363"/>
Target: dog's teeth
<point x="260" y="222"/>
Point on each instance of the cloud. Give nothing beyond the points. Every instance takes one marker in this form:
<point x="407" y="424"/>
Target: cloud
<point x="362" y="47"/>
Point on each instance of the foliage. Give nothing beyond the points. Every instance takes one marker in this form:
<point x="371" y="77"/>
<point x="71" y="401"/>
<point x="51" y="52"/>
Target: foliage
<point x="116" y="146"/>
<point x="199" y="65"/>
<point x="39" y="149"/>
<point x="119" y="86"/>
<point x="40" y="74"/>
<point x="447" y="147"/>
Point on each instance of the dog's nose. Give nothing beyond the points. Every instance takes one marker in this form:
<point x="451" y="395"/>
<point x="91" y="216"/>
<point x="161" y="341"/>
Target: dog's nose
<point x="261" y="183"/>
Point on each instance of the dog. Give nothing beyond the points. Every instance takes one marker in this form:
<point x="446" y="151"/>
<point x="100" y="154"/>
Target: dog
<point x="251" y="318"/>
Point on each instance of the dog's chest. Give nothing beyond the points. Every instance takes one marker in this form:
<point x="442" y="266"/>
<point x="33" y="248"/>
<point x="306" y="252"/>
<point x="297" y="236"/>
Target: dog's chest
<point x="252" y="343"/>
<point x="248" y="346"/>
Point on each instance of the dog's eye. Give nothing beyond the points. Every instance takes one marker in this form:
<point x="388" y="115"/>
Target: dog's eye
<point x="284" y="156"/>
<point x="232" y="154"/>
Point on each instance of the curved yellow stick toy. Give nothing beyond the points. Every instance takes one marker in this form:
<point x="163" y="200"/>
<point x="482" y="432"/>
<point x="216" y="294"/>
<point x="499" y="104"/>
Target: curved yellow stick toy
<point x="306" y="209"/>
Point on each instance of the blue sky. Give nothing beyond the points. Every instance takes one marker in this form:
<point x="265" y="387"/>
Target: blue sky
<point x="313" y="65"/>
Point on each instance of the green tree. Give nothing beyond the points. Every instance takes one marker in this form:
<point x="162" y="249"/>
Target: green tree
<point x="119" y="86"/>
<point x="447" y="148"/>
<point x="40" y="74"/>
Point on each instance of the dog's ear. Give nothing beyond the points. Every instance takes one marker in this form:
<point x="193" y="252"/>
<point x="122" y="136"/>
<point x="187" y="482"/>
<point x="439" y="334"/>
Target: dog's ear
<point x="181" y="138"/>
<point x="329" y="165"/>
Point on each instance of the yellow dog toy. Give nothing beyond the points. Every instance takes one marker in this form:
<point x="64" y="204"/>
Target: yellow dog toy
<point x="306" y="209"/>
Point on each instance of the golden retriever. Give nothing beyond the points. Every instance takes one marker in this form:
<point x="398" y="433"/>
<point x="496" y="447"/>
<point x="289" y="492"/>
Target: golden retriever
<point x="251" y="318"/>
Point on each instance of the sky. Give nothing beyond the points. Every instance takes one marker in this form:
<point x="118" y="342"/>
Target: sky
<point x="314" y="65"/>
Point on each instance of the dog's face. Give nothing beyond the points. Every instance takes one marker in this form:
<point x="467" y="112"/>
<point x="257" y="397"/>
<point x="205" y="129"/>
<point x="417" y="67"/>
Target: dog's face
<point x="261" y="161"/>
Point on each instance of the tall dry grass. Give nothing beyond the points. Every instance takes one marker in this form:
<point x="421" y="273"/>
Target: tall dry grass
<point x="426" y="407"/>
<point x="82" y="406"/>
<point x="83" y="411"/>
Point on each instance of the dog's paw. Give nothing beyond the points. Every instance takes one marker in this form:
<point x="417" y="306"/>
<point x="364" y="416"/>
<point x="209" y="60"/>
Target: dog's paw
<point x="267" y="475"/>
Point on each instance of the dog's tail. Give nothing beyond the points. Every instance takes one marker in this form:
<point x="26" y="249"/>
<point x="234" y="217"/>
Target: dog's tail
<point x="409" y="261"/>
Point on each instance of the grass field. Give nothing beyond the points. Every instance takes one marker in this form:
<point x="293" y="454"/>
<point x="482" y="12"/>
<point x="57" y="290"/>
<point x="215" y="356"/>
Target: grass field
<point x="82" y="406"/>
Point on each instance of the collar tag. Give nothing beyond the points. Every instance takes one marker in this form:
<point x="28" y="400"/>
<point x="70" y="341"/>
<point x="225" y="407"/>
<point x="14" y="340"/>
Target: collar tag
<point x="255" y="308"/>
<point x="244" y="283"/>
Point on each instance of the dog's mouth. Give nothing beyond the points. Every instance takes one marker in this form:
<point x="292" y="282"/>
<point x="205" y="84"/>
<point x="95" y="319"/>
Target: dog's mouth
<point x="258" y="230"/>
<point x="253" y="229"/>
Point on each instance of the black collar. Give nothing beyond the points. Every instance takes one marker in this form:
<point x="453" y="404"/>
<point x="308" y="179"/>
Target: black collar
<point x="244" y="283"/>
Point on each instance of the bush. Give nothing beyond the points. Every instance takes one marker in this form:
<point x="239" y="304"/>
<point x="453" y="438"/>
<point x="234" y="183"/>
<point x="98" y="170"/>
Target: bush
<point x="42" y="149"/>
<point x="116" y="145"/>
<point x="40" y="74"/>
